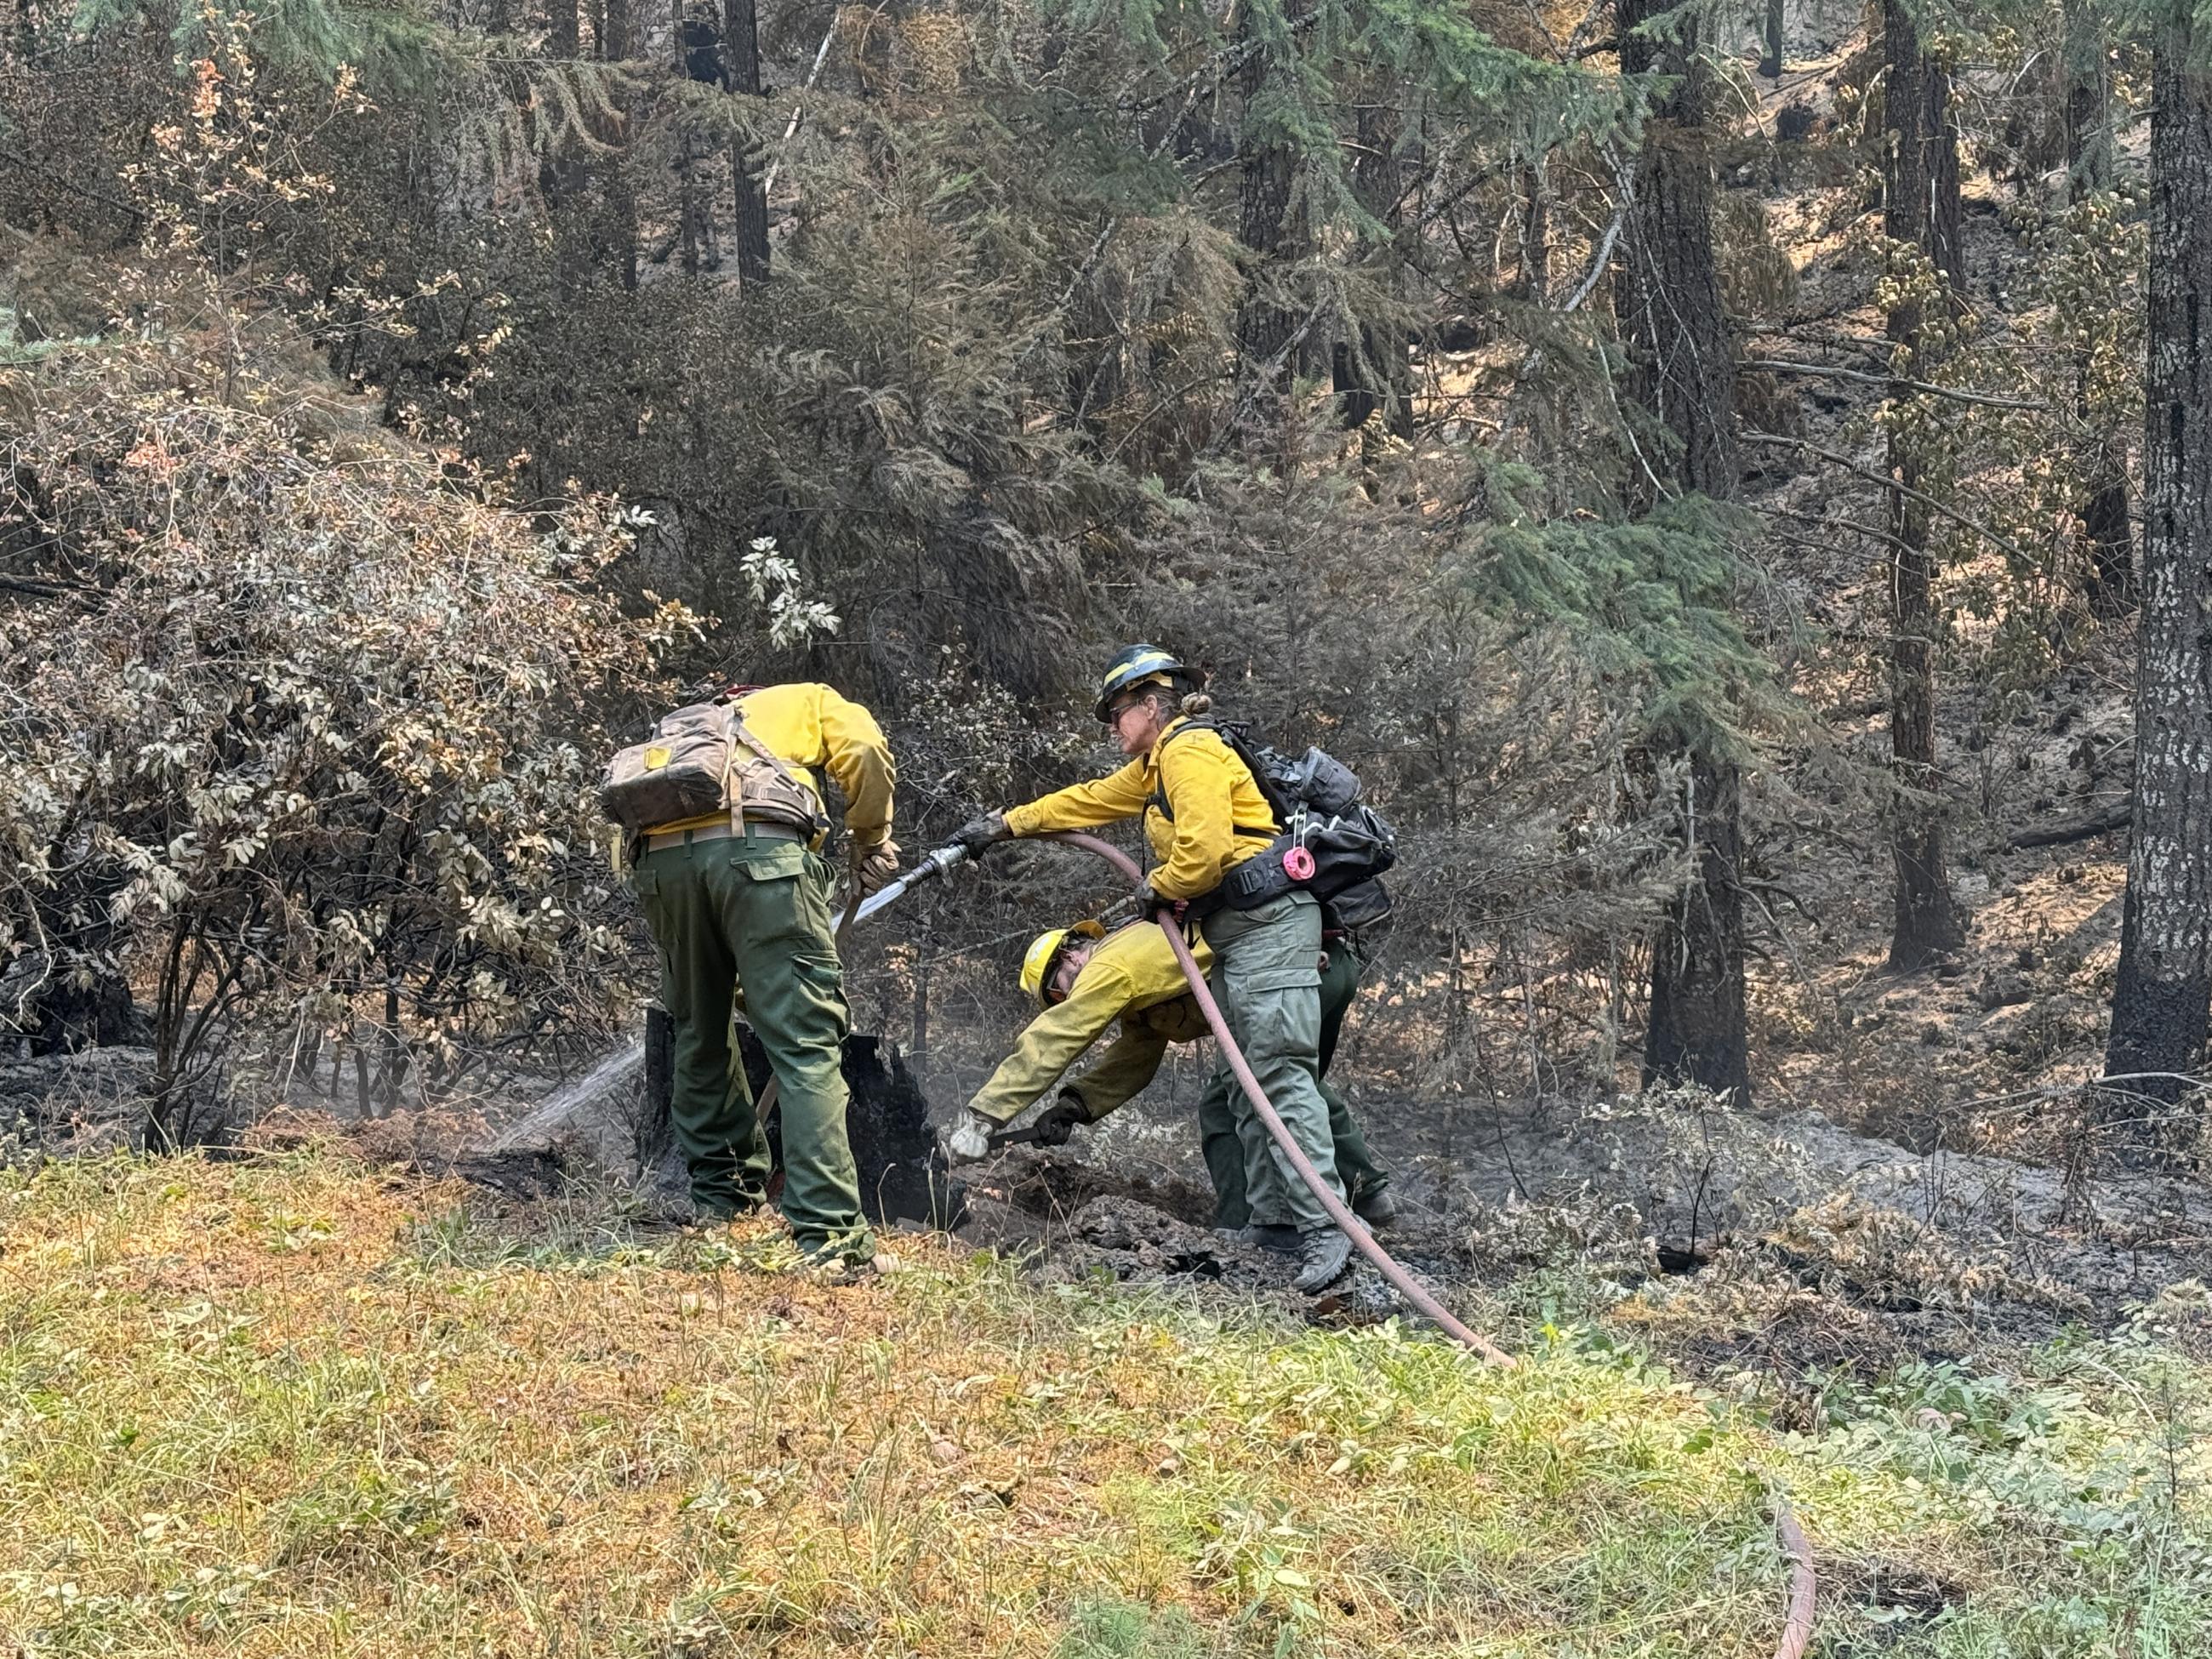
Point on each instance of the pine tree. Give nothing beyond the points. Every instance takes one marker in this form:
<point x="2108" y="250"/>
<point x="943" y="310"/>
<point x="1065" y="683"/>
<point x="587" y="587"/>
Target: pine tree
<point x="1669" y="302"/>
<point x="1920" y="209"/>
<point x="2163" y="1001"/>
<point x="562" y="173"/>
<point x="741" y="73"/>
<point x="1266" y="224"/>
<point x="1372" y="368"/>
<point x="614" y="234"/>
<point x="2107" y="535"/>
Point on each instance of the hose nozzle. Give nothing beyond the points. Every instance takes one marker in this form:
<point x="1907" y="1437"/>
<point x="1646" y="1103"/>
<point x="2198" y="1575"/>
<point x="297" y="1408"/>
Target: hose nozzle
<point x="926" y="868"/>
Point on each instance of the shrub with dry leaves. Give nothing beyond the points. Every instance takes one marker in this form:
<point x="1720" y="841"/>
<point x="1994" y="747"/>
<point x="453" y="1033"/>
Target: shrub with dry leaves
<point x="300" y="734"/>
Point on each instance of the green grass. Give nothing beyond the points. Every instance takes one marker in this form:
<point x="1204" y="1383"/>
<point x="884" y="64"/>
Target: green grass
<point x="295" y="1406"/>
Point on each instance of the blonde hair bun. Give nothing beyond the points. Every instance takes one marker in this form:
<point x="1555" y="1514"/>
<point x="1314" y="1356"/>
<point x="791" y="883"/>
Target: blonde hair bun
<point x="1197" y="703"/>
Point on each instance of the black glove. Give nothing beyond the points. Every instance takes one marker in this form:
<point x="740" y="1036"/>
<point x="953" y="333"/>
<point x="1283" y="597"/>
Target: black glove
<point x="973" y="836"/>
<point x="1150" y="904"/>
<point x="1058" y="1123"/>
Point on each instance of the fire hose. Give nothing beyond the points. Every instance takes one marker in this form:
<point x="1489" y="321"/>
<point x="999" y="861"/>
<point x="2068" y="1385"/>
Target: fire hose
<point x="1797" y="1629"/>
<point x="1339" y="1211"/>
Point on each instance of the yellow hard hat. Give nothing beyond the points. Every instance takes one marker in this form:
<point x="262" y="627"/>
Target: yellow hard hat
<point x="1044" y="956"/>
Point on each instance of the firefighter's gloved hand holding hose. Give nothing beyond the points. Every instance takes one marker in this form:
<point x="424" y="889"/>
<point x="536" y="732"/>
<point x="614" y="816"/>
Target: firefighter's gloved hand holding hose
<point x="978" y="833"/>
<point x="874" y="867"/>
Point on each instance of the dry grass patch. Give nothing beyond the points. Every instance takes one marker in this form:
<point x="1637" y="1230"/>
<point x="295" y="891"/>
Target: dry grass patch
<point x="290" y="1407"/>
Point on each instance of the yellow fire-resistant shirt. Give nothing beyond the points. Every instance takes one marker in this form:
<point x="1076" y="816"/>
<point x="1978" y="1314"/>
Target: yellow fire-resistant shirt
<point x="811" y="728"/>
<point x="1131" y="976"/>
<point x="1220" y="817"/>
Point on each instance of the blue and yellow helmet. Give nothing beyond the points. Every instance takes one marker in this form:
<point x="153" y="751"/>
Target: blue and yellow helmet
<point x="1139" y="665"/>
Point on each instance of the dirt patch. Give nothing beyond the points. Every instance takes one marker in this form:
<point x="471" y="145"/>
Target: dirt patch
<point x="1872" y="1249"/>
<point x="90" y="1101"/>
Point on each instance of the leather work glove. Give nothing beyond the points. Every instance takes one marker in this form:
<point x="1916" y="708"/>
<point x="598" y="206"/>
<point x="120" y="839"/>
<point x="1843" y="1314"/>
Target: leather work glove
<point x="1057" y="1126"/>
<point x="973" y="836"/>
<point x="970" y="1140"/>
<point x="875" y="867"/>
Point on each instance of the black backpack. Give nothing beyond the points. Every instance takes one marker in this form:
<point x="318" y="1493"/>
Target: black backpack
<point x="1328" y="842"/>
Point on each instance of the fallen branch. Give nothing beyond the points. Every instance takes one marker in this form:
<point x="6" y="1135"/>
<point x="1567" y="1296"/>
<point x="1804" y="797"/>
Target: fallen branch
<point x="2060" y="1091"/>
<point x="791" y="127"/>
<point x="1872" y="476"/>
<point x="37" y="590"/>
<point x="1839" y="524"/>
<point x="1990" y="399"/>
<point x="1603" y="257"/>
<point x="2059" y="835"/>
<point x="1804" y="1583"/>
<point x="1599" y="262"/>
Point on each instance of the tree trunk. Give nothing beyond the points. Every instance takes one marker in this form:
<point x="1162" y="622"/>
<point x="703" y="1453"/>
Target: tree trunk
<point x="1100" y="360"/>
<point x="2108" y="541"/>
<point x="1696" y="1031"/>
<point x="1669" y="300"/>
<point x="690" y="242"/>
<point x="1379" y="374"/>
<point x="2088" y="100"/>
<point x="741" y="73"/>
<point x="1920" y="206"/>
<point x="1683" y="371"/>
<point x="1266" y="169"/>
<point x="655" y="1130"/>
<point x="2107" y="536"/>
<point x="2160" y="1010"/>
<point x="1532" y="282"/>
<point x="1770" y="64"/>
<point x="616" y="239"/>
<point x="561" y="178"/>
<point x="698" y="58"/>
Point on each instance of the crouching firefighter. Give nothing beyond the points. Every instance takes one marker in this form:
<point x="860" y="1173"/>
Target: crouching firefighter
<point x="1085" y="978"/>
<point x="727" y="821"/>
<point x="1206" y="815"/>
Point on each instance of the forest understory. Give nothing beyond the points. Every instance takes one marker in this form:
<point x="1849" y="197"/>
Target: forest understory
<point x="1737" y="485"/>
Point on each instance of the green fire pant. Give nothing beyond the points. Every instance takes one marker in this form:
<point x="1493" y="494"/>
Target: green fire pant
<point x="1267" y="977"/>
<point x="1217" y="1123"/>
<point x="755" y="911"/>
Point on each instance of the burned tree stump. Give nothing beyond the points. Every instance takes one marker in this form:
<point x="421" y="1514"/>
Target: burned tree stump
<point x="902" y="1170"/>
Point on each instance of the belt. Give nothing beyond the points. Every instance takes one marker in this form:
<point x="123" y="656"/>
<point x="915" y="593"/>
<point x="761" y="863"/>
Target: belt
<point x="661" y="840"/>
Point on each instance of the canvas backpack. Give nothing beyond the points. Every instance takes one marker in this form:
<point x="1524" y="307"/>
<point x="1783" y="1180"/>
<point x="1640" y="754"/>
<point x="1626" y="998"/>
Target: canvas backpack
<point x="703" y="758"/>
